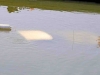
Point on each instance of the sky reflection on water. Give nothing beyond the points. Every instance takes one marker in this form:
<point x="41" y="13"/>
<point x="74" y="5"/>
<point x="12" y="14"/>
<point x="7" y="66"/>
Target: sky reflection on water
<point x="54" y="57"/>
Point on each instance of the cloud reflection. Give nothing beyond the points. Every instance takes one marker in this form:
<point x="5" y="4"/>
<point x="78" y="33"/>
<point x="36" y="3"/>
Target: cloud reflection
<point x="35" y="35"/>
<point x="5" y="30"/>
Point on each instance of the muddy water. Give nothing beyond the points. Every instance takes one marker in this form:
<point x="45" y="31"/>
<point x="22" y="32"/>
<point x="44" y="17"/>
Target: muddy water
<point x="53" y="43"/>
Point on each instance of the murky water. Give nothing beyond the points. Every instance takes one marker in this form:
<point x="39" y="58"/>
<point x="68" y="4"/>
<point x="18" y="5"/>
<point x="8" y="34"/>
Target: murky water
<point x="47" y="42"/>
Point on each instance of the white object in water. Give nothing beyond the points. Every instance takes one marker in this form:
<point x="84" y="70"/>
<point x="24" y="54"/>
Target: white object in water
<point x="35" y="35"/>
<point x="5" y="26"/>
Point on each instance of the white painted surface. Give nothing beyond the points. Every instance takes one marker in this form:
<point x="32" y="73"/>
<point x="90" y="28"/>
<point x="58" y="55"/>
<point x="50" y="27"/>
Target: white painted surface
<point x="35" y="35"/>
<point x="5" y="26"/>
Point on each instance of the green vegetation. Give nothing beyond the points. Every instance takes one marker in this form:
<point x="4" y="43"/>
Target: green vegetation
<point x="51" y="5"/>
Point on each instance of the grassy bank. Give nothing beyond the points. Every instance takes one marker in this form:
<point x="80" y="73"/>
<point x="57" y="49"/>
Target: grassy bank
<point x="53" y="5"/>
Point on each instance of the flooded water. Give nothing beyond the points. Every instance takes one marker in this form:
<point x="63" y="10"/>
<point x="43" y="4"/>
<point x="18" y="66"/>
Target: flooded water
<point x="49" y="42"/>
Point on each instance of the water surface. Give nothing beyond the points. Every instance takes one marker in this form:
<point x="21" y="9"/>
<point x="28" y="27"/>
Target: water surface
<point x="73" y="50"/>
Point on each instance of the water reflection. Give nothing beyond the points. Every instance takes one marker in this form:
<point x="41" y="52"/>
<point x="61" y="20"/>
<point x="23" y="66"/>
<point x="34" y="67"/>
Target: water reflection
<point x="11" y="9"/>
<point x="31" y="9"/>
<point x="51" y="56"/>
<point x="5" y="30"/>
<point x="35" y="35"/>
